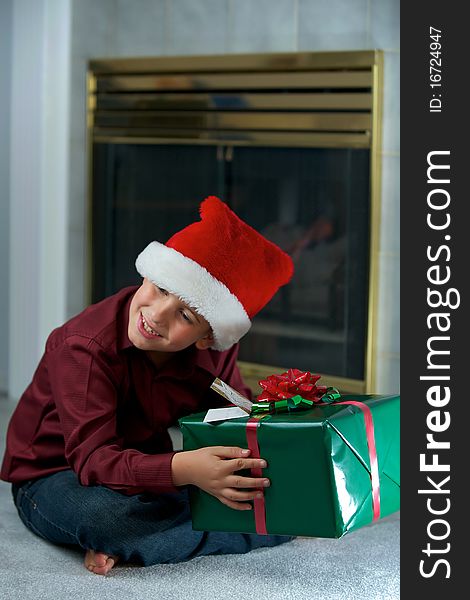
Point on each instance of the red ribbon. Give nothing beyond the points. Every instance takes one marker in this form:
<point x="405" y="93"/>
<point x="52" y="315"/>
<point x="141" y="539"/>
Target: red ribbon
<point x="374" y="465"/>
<point x="291" y="383"/>
<point x="259" y="504"/>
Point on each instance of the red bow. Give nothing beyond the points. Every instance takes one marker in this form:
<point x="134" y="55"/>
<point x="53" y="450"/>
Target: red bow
<point x="291" y="383"/>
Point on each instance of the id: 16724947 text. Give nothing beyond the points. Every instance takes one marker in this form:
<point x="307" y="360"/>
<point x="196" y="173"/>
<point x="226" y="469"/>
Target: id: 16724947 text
<point x="435" y="73"/>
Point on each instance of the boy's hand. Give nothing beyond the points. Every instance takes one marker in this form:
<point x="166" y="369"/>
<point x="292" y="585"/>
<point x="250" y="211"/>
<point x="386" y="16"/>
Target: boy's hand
<point x="213" y="469"/>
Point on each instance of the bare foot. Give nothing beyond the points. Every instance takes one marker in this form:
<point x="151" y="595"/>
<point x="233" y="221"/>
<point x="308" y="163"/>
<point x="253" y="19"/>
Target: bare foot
<point x="99" y="562"/>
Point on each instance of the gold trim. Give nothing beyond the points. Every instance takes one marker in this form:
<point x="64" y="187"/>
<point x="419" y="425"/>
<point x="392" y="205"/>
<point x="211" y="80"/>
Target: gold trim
<point x="254" y="93"/>
<point x="272" y="121"/>
<point x="375" y="173"/>
<point x="235" y="81"/>
<point x="231" y="101"/>
<point x="246" y="138"/>
<point x="292" y="61"/>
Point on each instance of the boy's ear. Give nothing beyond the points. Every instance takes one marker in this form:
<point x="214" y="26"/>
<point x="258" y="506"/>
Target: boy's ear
<point x="205" y="342"/>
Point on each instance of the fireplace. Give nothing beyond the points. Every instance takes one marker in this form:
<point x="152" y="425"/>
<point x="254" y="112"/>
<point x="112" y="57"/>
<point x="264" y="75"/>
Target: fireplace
<point x="291" y="143"/>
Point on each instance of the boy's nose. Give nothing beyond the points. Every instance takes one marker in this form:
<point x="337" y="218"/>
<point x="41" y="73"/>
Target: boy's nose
<point x="161" y="309"/>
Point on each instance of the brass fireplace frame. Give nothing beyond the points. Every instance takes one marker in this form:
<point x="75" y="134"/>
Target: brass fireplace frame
<point x="306" y="99"/>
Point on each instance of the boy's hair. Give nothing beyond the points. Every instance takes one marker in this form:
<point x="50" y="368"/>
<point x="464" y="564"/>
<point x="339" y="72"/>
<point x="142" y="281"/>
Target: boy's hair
<point x="221" y="267"/>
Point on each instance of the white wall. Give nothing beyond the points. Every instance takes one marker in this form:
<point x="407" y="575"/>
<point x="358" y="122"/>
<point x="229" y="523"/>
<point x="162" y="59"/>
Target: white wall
<point x="38" y="180"/>
<point x="113" y="28"/>
<point x="5" y="87"/>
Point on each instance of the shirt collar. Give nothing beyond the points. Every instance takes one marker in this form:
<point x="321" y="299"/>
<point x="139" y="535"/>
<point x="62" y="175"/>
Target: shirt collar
<point x="208" y="360"/>
<point x="185" y="362"/>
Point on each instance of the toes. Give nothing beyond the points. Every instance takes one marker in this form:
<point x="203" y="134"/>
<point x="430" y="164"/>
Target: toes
<point x="99" y="559"/>
<point x="110" y="564"/>
<point x="99" y="563"/>
<point x="96" y="559"/>
<point x="100" y="570"/>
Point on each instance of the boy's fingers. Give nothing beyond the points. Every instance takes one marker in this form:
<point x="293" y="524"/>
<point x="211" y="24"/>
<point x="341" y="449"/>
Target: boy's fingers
<point x="237" y="495"/>
<point x="236" y="505"/>
<point x="248" y="482"/>
<point x="230" y="451"/>
<point x="246" y="463"/>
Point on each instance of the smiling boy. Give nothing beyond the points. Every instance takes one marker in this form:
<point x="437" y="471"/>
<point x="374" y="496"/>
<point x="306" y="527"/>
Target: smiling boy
<point x="160" y="323"/>
<point x="88" y="450"/>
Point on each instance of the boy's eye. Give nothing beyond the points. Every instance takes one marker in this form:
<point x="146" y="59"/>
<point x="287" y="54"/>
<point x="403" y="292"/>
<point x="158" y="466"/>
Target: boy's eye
<point x="185" y="317"/>
<point x="163" y="291"/>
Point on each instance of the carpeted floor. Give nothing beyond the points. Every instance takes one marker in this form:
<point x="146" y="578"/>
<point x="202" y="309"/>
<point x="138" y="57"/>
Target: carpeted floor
<point x="363" y="565"/>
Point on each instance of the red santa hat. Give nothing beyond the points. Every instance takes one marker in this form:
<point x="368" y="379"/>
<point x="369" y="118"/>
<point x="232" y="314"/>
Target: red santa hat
<point x="221" y="267"/>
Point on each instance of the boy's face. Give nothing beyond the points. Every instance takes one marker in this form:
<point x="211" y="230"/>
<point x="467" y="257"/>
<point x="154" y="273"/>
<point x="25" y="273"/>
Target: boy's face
<point x="160" y="321"/>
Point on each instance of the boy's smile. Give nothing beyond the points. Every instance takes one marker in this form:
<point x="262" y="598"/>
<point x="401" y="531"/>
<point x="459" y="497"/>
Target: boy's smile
<point x="161" y="322"/>
<point x="146" y="330"/>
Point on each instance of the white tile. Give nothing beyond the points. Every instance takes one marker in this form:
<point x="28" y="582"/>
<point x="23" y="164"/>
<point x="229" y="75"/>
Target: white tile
<point x="140" y="27"/>
<point x="197" y="27"/>
<point x="390" y="206"/>
<point x="262" y="26"/>
<point x="78" y="98"/>
<point x="76" y="275"/>
<point x="385" y="24"/>
<point x="93" y="28"/>
<point x="77" y="185"/>
<point x="391" y="103"/>
<point x="333" y="25"/>
<point x="388" y="375"/>
<point x="388" y="311"/>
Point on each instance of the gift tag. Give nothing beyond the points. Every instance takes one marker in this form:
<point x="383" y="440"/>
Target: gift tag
<point x="232" y="395"/>
<point x="224" y="414"/>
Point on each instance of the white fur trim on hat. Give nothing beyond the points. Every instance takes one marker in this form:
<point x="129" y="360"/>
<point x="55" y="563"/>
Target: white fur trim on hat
<point x="194" y="285"/>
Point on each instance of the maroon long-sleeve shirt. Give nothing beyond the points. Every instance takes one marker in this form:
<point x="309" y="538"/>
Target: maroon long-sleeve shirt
<point x="98" y="405"/>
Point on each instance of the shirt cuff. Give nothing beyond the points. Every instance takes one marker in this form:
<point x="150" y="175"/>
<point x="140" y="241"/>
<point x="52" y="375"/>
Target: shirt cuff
<point x="154" y="473"/>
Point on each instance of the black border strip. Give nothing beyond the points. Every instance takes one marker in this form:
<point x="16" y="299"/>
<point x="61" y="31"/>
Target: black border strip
<point x="434" y="234"/>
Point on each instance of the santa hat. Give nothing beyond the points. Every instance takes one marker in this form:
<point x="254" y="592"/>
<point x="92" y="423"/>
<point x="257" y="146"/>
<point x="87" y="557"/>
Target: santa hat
<point x="219" y="266"/>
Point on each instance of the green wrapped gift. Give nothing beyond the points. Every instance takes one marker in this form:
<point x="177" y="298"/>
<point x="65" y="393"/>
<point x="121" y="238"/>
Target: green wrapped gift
<point x="319" y="465"/>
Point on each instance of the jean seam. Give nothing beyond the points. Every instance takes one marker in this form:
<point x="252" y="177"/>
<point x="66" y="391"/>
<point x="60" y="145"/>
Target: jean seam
<point x="35" y="507"/>
<point x="30" y="525"/>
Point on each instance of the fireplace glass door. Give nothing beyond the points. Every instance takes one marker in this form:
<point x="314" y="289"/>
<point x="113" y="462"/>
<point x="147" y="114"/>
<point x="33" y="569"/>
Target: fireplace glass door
<point x="312" y="202"/>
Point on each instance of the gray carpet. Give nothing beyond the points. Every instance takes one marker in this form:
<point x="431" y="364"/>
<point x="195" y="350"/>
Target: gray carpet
<point x="363" y="565"/>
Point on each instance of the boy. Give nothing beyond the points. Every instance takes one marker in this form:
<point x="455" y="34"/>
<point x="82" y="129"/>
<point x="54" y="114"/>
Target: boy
<point x="88" y="451"/>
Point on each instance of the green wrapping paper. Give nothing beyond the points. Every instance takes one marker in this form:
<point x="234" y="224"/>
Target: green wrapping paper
<point x="318" y="464"/>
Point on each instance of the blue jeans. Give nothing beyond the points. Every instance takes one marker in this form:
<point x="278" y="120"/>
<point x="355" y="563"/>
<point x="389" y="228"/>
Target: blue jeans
<point x="140" y="529"/>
